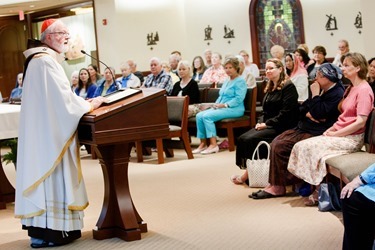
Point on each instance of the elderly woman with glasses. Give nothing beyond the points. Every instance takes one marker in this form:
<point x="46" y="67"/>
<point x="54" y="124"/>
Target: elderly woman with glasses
<point x="319" y="58"/>
<point x="308" y="157"/>
<point x="280" y="112"/>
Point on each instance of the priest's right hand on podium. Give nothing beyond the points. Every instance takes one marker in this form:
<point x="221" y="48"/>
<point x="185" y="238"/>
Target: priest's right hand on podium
<point x="96" y="102"/>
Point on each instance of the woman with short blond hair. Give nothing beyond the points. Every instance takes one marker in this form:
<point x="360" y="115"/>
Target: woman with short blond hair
<point x="229" y="104"/>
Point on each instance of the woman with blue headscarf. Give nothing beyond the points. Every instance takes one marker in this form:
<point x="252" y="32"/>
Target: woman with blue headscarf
<point x="308" y="157"/>
<point x="317" y="114"/>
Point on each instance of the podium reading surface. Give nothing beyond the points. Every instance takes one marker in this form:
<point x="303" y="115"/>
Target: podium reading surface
<point x="111" y="129"/>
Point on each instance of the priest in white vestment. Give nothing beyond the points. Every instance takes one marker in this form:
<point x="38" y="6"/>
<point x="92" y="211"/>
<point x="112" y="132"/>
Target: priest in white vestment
<point x="50" y="192"/>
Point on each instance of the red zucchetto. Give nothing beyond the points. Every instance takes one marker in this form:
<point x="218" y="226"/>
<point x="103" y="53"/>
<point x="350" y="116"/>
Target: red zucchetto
<point x="47" y="23"/>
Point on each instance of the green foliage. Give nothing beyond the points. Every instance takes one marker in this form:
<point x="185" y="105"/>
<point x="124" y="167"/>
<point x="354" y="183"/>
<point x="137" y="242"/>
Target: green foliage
<point x="11" y="156"/>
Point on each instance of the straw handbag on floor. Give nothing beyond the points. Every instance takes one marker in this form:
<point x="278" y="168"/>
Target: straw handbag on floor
<point x="258" y="169"/>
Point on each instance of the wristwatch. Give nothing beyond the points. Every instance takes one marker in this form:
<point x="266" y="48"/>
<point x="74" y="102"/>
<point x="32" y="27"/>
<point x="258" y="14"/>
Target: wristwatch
<point x="362" y="180"/>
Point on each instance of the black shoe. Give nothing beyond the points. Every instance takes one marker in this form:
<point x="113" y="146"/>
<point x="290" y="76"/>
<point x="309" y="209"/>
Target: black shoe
<point x="40" y="245"/>
<point x="254" y="193"/>
<point x="45" y="244"/>
<point x="264" y="195"/>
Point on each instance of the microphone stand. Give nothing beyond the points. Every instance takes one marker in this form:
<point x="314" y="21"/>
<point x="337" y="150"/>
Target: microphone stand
<point x="106" y="67"/>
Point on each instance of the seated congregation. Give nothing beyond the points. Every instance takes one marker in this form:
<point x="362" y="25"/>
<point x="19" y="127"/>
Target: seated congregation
<point x="307" y="123"/>
<point x="331" y="123"/>
<point x="323" y="131"/>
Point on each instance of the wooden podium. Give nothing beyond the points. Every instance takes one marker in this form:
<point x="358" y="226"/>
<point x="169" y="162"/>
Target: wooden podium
<point x="111" y="130"/>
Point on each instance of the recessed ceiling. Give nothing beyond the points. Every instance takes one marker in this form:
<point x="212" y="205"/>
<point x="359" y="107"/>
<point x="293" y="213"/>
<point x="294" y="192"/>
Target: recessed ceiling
<point x="13" y="7"/>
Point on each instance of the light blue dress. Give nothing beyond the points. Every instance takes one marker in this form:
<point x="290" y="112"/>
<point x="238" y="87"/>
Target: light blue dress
<point x="232" y="93"/>
<point x="16" y="93"/>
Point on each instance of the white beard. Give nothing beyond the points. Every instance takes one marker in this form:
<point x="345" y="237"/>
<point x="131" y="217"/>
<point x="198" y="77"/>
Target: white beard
<point x="65" y="48"/>
<point x="60" y="47"/>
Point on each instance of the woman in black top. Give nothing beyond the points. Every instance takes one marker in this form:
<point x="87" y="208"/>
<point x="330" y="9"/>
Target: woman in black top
<point x="280" y="112"/>
<point x="186" y="85"/>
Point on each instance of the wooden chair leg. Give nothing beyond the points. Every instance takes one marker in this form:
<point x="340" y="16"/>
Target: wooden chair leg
<point x="138" y="148"/>
<point x="93" y="154"/>
<point x="187" y="146"/>
<point x="342" y="184"/>
<point x="230" y="139"/>
<point x="160" y="151"/>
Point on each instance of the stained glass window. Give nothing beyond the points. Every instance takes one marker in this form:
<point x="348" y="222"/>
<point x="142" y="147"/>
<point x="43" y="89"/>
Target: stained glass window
<point x="277" y="22"/>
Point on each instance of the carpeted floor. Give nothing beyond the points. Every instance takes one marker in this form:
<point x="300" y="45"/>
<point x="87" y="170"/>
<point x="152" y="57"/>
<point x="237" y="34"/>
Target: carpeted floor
<point x="191" y="204"/>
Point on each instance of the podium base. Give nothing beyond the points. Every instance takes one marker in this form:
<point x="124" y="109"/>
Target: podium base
<point x="126" y="235"/>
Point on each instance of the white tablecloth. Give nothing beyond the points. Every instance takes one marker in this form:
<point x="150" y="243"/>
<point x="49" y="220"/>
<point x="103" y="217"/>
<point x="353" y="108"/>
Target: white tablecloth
<point x="9" y="120"/>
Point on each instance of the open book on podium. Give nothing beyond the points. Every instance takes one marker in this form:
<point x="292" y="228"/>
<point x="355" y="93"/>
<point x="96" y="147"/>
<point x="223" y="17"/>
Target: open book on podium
<point x="120" y="94"/>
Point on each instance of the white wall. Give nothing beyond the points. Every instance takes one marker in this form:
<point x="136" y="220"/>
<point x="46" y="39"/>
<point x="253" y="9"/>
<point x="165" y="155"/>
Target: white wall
<point x="345" y="11"/>
<point x="217" y="14"/>
<point x="368" y="7"/>
<point x="181" y="23"/>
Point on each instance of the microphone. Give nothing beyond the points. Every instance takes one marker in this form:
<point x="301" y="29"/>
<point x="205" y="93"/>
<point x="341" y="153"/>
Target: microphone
<point x="106" y="66"/>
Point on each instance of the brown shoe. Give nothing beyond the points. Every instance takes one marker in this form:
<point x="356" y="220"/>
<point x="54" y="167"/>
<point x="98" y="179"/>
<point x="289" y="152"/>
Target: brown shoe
<point x="312" y="200"/>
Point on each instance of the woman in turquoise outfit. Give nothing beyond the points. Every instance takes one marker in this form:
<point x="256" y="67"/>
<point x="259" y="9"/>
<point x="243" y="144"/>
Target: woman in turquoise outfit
<point x="229" y="104"/>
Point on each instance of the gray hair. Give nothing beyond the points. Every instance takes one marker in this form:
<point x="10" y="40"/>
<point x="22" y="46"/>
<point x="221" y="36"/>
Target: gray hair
<point x="175" y="57"/>
<point x="74" y="73"/>
<point x="240" y="59"/>
<point x="124" y="65"/>
<point x="155" y="59"/>
<point x="277" y="49"/>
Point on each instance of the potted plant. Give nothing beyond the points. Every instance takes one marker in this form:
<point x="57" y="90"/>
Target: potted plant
<point x="10" y="156"/>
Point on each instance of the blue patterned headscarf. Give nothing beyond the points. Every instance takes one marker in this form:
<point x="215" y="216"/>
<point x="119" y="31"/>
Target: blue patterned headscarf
<point x="332" y="72"/>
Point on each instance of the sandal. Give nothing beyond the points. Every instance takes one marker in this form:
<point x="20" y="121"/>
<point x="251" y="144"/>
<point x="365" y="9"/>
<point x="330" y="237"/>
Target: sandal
<point x="236" y="179"/>
<point x="263" y="195"/>
<point x="312" y="200"/>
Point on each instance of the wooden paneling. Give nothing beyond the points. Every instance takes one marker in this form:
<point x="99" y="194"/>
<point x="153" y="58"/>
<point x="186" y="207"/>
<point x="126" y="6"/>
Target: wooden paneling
<point x="12" y="45"/>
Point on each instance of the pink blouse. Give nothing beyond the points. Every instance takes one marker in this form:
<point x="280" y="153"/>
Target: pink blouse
<point x="358" y="102"/>
<point x="212" y="75"/>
